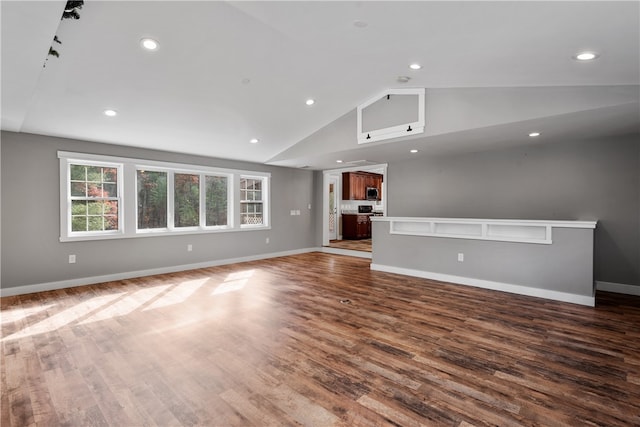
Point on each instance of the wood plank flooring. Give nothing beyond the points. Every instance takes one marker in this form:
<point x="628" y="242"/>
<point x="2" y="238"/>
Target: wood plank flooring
<point x="363" y="245"/>
<point x="315" y="340"/>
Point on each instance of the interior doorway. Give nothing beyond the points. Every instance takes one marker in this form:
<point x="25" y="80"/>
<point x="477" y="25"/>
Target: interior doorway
<point x="333" y="205"/>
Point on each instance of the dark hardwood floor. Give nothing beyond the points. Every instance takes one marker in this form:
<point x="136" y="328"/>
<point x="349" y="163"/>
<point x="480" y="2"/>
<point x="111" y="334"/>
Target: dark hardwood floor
<point x="315" y="340"/>
<point x="363" y="245"/>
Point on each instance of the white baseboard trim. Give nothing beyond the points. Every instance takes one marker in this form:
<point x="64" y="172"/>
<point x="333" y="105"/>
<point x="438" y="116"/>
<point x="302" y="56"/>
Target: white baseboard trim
<point x="50" y="286"/>
<point x="619" y="288"/>
<point x="487" y="284"/>
<point x="347" y="252"/>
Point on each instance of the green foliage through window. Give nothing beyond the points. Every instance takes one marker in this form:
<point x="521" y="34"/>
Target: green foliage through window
<point x="216" y="200"/>
<point x="186" y="200"/>
<point x="94" y="198"/>
<point x="152" y="199"/>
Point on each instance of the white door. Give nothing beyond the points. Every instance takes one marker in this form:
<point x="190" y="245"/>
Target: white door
<point x="333" y="209"/>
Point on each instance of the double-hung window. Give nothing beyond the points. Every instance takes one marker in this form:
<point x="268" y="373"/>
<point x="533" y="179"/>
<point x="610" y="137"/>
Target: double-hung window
<point x="93" y="198"/>
<point x="253" y="192"/>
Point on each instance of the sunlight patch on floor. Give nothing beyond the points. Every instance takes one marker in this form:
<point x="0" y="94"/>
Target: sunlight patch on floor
<point x="126" y="305"/>
<point x="234" y="282"/>
<point x="65" y="317"/>
<point x="17" y="314"/>
<point x="178" y="294"/>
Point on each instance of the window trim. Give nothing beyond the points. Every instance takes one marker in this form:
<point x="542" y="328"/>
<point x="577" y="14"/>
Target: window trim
<point x="66" y="200"/>
<point x="128" y="196"/>
<point x="264" y="201"/>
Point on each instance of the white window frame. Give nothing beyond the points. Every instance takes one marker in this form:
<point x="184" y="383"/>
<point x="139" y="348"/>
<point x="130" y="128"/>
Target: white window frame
<point x="128" y="197"/>
<point x="66" y="200"/>
<point x="264" y="200"/>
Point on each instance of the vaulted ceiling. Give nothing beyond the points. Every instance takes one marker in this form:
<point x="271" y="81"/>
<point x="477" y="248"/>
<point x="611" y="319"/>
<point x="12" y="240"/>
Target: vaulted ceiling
<point x="227" y="72"/>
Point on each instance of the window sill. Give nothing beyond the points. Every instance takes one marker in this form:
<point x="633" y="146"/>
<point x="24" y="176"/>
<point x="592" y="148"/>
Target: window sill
<point x="160" y="233"/>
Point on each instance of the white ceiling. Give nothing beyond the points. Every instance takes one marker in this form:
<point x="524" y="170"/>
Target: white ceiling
<point x="189" y="95"/>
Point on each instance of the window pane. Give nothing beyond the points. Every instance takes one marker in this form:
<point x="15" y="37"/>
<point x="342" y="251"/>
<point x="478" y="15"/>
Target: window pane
<point x="79" y="223"/>
<point x="78" y="207"/>
<point x="94" y="190"/>
<point x="186" y="200"/>
<point x="78" y="189"/>
<point x="95" y="223"/>
<point x="251" y="213"/>
<point x="94" y="174"/>
<point x="152" y="199"/>
<point x="110" y="175"/>
<point x="78" y="173"/>
<point x="94" y="208"/>
<point x="110" y="190"/>
<point x="216" y="200"/>
<point x="110" y="222"/>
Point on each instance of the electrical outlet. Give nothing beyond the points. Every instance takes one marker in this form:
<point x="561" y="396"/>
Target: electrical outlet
<point x="309" y="206"/>
<point x="460" y="257"/>
<point x="189" y="247"/>
<point x="72" y="259"/>
<point x="266" y="240"/>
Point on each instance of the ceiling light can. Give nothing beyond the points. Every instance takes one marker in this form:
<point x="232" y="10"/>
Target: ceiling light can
<point x="254" y="140"/>
<point x="585" y="56"/>
<point x="110" y="113"/>
<point x="149" y="44"/>
<point x="310" y="101"/>
<point x="415" y="66"/>
<point x="413" y="151"/>
<point x="534" y="134"/>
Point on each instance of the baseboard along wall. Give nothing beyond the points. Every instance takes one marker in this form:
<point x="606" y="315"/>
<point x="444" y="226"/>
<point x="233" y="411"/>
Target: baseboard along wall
<point x="487" y="284"/>
<point x="50" y="286"/>
<point x="619" y="288"/>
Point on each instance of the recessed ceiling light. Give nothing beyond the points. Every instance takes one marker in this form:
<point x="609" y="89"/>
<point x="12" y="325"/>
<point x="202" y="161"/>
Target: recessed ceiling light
<point x="149" y="44"/>
<point x="310" y="101"/>
<point x="403" y="79"/>
<point x="110" y="113"/>
<point x="360" y="24"/>
<point x="413" y="151"/>
<point x="254" y="140"/>
<point x="415" y="66"/>
<point x="338" y="161"/>
<point x="534" y="134"/>
<point x="586" y="56"/>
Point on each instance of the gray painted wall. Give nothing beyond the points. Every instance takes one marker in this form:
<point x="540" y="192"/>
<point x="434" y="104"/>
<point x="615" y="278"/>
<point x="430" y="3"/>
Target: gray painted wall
<point x="584" y="180"/>
<point x="566" y="265"/>
<point x="32" y="253"/>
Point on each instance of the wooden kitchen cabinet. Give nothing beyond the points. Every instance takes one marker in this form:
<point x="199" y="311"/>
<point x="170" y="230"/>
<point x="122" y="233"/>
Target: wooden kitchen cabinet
<point x="356" y="226"/>
<point x="355" y="184"/>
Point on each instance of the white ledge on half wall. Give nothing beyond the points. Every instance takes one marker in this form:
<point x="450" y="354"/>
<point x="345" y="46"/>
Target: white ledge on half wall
<point x="502" y="230"/>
